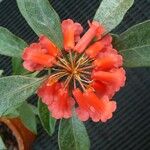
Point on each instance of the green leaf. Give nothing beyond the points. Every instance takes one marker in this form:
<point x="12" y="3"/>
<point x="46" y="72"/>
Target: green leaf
<point x="33" y="74"/>
<point x="34" y="109"/>
<point x="2" y="145"/>
<point x="10" y="45"/>
<point x="12" y="113"/>
<point x="111" y="12"/>
<point x="17" y="66"/>
<point x="28" y="117"/>
<point x="47" y="121"/>
<point x="134" y="45"/>
<point x="42" y="18"/>
<point x="16" y="89"/>
<point x="1" y="71"/>
<point x="73" y="135"/>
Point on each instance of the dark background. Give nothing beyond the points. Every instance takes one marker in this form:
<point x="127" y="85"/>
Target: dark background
<point x="130" y="127"/>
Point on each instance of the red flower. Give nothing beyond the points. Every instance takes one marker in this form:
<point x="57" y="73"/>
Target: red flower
<point x="71" y="33"/>
<point x="58" y="100"/>
<point x="87" y="71"/>
<point x="40" y="55"/>
<point x="99" y="109"/>
<point x="95" y="28"/>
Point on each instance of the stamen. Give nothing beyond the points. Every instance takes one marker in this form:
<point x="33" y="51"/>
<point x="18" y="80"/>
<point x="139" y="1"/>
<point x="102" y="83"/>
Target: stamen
<point x="75" y="69"/>
<point x="71" y="59"/>
<point x="86" y="81"/>
<point x="59" y="73"/>
<point x="64" y="62"/>
<point x="85" y="72"/>
<point x="60" y="65"/>
<point x="55" y="77"/>
<point x="82" y="85"/>
<point x="58" y="69"/>
<point x="87" y="67"/>
<point x="74" y="83"/>
<point x="75" y="57"/>
<point x="79" y="61"/>
<point x="80" y="58"/>
<point x="83" y="62"/>
<point x="84" y="77"/>
<point x="67" y="81"/>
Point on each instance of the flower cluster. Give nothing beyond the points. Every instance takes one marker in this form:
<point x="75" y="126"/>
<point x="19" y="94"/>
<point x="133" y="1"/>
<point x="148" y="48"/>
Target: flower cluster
<point x="85" y="74"/>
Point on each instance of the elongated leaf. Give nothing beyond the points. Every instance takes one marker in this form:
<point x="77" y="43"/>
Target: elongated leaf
<point x="42" y="18"/>
<point x="1" y="71"/>
<point x="111" y="12"/>
<point x="10" y="45"/>
<point x="28" y="117"/>
<point x="134" y="45"/>
<point x="12" y="113"/>
<point x="34" y="109"/>
<point x="16" y="89"/>
<point x="17" y="66"/>
<point x="47" y="121"/>
<point x="73" y="135"/>
<point x="2" y="145"/>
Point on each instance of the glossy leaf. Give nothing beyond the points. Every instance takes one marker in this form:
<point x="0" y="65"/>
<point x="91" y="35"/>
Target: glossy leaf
<point x="42" y="18"/>
<point x="10" y="45"/>
<point x="16" y="89"/>
<point x="47" y="121"/>
<point x="111" y="12"/>
<point x="134" y="45"/>
<point x="28" y="117"/>
<point x="73" y="135"/>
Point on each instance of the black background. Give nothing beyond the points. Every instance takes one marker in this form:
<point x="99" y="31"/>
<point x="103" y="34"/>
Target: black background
<point x="130" y="127"/>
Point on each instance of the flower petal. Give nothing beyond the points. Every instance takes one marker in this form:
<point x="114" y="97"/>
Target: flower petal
<point x="87" y="38"/>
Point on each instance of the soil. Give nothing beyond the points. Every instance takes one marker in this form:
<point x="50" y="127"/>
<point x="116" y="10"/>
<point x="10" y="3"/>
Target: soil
<point x="8" y="137"/>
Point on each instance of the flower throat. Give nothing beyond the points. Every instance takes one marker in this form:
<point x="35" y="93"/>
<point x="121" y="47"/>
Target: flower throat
<point x="73" y="69"/>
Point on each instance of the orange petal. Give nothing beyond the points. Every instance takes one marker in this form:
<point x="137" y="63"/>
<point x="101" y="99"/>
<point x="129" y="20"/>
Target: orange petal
<point x="107" y="61"/>
<point x="115" y="77"/>
<point x="93" y="101"/>
<point x="48" y="45"/>
<point x="79" y="98"/>
<point x="87" y="38"/>
<point x="68" y="29"/>
<point x="42" y="59"/>
<point x="99" y="87"/>
<point x="93" y="50"/>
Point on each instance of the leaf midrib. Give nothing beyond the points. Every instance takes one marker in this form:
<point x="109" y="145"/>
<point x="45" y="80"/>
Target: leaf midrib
<point x="116" y="8"/>
<point x="133" y="49"/>
<point x="74" y="133"/>
<point x="20" y="89"/>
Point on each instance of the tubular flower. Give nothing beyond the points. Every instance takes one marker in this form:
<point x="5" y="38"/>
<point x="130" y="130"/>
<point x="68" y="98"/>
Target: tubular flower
<point x="90" y="105"/>
<point x="57" y="98"/>
<point x="71" y="33"/>
<point x="84" y="76"/>
<point x="40" y="55"/>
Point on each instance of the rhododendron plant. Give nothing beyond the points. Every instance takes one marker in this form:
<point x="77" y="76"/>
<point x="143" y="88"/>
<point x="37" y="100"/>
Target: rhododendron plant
<point x="74" y="72"/>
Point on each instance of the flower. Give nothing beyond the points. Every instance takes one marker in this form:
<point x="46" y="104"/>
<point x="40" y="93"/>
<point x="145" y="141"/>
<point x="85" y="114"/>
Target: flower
<point x="90" y="105"/>
<point x="58" y="100"/>
<point x="40" y="55"/>
<point x="71" y="33"/>
<point x="85" y="74"/>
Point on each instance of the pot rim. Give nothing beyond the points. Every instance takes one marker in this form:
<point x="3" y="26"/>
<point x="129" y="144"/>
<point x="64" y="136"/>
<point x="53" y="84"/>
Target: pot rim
<point x="15" y="131"/>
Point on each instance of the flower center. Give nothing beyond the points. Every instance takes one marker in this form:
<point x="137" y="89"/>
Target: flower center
<point x="73" y="69"/>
